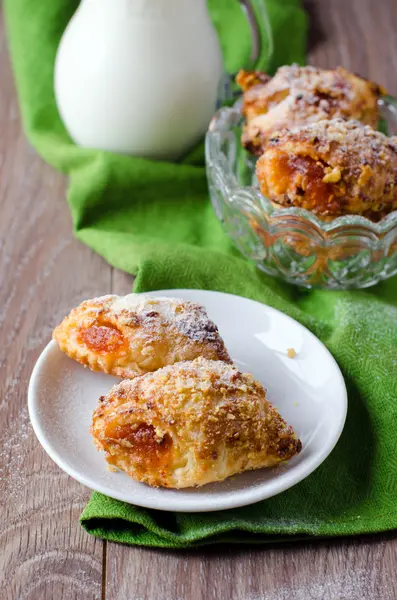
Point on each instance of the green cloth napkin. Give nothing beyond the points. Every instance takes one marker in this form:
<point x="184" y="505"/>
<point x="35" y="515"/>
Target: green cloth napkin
<point x="355" y="489"/>
<point x="154" y="219"/>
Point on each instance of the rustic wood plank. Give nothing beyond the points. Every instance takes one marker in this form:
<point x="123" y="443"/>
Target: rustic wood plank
<point x="339" y="570"/>
<point x="359" y="34"/>
<point x="121" y="282"/>
<point x="44" y="553"/>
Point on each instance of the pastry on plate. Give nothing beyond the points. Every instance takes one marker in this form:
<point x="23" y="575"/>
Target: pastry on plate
<point x="299" y="95"/>
<point x="190" y="424"/>
<point x="331" y="168"/>
<point x="130" y="335"/>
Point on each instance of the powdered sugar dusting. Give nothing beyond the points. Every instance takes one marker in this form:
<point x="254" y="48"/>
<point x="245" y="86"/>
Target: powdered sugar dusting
<point x="13" y="456"/>
<point x="142" y="304"/>
<point x="190" y="319"/>
<point x="201" y="369"/>
<point x="347" y="584"/>
<point x="196" y="325"/>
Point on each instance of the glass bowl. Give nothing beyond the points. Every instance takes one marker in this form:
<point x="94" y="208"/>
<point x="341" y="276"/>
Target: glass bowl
<point x="292" y="243"/>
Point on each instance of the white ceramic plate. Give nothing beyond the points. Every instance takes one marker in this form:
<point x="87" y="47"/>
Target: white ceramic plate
<point x="308" y="391"/>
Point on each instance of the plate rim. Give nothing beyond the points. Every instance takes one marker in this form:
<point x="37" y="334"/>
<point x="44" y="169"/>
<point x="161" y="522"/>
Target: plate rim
<point x="257" y="494"/>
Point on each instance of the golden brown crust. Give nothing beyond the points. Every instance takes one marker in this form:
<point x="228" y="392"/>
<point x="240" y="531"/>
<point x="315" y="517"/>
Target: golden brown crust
<point x="190" y="424"/>
<point x="300" y="95"/>
<point x="332" y="168"/>
<point x="131" y="335"/>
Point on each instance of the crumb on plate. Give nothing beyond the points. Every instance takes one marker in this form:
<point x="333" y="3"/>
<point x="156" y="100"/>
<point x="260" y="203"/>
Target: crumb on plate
<point x="112" y="469"/>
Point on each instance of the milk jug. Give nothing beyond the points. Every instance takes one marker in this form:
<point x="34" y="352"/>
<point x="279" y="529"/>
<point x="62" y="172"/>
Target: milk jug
<point x="140" y="76"/>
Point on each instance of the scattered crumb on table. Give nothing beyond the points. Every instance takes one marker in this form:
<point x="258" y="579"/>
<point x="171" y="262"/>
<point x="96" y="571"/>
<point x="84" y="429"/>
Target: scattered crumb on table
<point x="291" y="353"/>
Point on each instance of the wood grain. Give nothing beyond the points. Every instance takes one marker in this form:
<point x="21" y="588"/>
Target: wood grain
<point x="359" y="34"/>
<point x="43" y="272"/>
<point x="44" y="554"/>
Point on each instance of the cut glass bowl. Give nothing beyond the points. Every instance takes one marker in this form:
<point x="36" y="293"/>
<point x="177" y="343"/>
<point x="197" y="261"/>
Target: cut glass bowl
<point x="292" y="243"/>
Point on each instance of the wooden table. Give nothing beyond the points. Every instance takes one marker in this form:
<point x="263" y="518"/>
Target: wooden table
<point x="44" y="553"/>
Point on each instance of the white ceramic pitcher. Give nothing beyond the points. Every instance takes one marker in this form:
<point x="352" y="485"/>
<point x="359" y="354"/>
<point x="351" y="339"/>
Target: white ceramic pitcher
<point x="140" y="76"/>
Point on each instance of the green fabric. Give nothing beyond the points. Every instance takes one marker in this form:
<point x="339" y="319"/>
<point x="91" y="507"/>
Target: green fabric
<point x="145" y="204"/>
<point x="355" y="489"/>
<point x="155" y="219"/>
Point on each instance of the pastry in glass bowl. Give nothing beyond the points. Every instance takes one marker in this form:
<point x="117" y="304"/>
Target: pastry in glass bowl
<point x="331" y="168"/>
<point x="190" y="424"/>
<point x="129" y="335"/>
<point x="298" y="95"/>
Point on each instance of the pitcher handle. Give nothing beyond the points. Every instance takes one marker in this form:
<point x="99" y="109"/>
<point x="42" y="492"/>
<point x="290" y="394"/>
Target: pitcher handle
<point x="228" y="90"/>
<point x="253" y="17"/>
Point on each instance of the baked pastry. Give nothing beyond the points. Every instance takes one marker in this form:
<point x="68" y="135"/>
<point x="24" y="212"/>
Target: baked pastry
<point x="130" y="335"/>
<point x="300" y="95"/>
<point x="332" y="168"/>
<point x="189" y="424"/>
